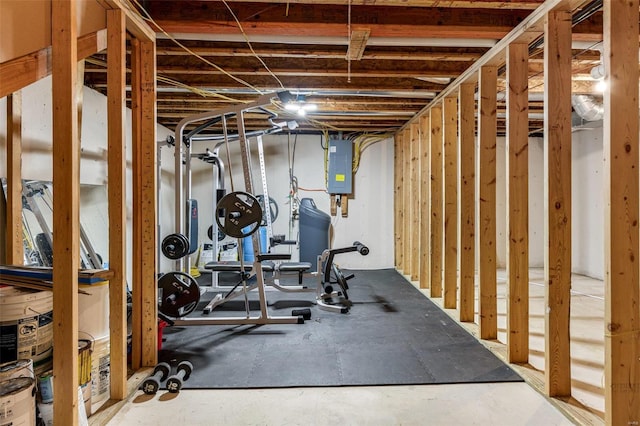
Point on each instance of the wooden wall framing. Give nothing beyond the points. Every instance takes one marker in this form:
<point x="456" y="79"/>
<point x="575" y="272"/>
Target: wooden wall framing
<point x="557" y="177"/>
<point x="622" y="292"/>
<point x="487" y="262"/>
<point x="15" y="245"/>
<point x="466" y="200"/>
<point x="518" y="203"/>
<point x="450" y="183"/>
<point x="415" y="199"/>
<point x="552" y="20"/>
<point x="61" y="61"/>
<point x="425" y="204"/>
<point x="436" y="223"/>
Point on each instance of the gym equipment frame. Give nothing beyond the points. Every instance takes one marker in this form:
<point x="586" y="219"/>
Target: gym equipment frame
<point x="238" y="209"/>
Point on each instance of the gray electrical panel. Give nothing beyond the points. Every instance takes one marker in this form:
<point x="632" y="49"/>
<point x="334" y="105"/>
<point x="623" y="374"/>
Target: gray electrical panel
<point x="340" y="166"/>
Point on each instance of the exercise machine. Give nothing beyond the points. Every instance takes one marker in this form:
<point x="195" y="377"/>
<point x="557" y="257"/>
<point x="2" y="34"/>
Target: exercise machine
<point x="235" y="212"/>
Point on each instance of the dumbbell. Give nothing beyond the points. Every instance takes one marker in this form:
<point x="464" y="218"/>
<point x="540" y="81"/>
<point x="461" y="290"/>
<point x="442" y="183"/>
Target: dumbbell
<point x="174" y="383"/>
<point x="152" y="383"/>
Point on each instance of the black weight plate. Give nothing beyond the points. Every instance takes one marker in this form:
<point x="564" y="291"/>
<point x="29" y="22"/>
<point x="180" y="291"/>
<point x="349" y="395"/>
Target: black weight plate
<point x="175" y="246"/>
<point x="237" y="211"/>
<point x="273" y="208"/>
<point x="178" y="294"/>
<point x="221" y="235"/>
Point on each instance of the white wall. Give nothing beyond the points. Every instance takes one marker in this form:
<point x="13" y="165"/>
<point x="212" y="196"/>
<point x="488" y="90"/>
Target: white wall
<point x="370" y="218"/>
<point x="587" y="203"/>
<point x="37" y="133"/>
<point x="587" y="218"/>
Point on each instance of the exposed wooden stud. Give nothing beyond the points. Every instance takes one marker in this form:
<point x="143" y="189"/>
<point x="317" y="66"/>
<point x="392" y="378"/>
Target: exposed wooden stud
<point x="334" y="205"/>
<point x="622" y="324"/>
<point x="135" y="23"/>
<point x="436" y="200"/>
<point x="14" y="236"/>
<point x="528" y="30"/>
<point x="466" y="197"/>
<point x="408" y="213"/>
<point x="517" y="204"/>
<point x="450" y="112"/>
<point x="66" y="205"/>
<point x="25" y="70"/>
<point x="425" y="202"/>
<point x="487" y="123"/>
<point x="557" y="177"/>
<point x="415" y="201"/>
<point x="144" y="196"/>
<point x="136" y="284"/>
<point x="116" y="152"/>
<point x="397" y="199"/>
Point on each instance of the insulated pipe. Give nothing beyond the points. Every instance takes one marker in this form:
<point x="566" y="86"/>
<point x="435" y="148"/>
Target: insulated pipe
<point x="587" y="107"/>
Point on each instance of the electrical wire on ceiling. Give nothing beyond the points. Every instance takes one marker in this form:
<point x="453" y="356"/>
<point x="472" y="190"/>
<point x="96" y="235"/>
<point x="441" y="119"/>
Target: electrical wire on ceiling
<point x="148" y="18"/>
<point x="249" y="44"/>
<point x="207" y="93"/>
<point x="170" y="81"/>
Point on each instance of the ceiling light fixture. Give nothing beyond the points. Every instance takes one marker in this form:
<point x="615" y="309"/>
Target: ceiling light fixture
<point x="300" y="106"/>
<point x="601" y="85"/>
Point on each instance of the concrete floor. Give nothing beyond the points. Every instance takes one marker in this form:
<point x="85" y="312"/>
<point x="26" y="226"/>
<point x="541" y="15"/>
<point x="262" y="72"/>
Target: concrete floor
<point x="481" y="404"/>
<point x="474" y="404"/>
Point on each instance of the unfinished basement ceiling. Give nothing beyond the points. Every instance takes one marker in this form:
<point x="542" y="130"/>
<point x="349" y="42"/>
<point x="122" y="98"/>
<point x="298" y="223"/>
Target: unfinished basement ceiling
<point x="366" y="65"/>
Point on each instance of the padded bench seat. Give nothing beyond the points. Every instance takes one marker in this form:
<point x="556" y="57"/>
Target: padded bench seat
<point x="294" y="267"/>
<point x="234" y="266"/>
<point x="299" y="267"/>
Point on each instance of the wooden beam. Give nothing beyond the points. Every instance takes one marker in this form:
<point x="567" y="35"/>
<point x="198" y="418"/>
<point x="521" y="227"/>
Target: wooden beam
<point x="327" y="20"/>
<point x="517" y="204"/>
<point x="435" y="171"/>
<point x="466" y="200"/>
<point x="408" y="213"/>
<point x="25" y="70"/>
<point x="66" y="202"/>
<point x="622" y="324"/>
<point x="425" y="202"/>
<point x="487" y="202"/>
<point x="116" y="152"/>
<point x="14" y="236"/>
<point x="398" y="199"/>
<point x="488" y="4"/>
<point x="394" y="53"/>
<point x="528" y="30"/>
<point x="267" y="82"/>
<point x="144" y="196"/>
<point x="557" y="177"/>
<point x="450" y="112"/>
<point x="135" y="23"/>
<point x="299" y="68"/>
<point x="415" y="201"/>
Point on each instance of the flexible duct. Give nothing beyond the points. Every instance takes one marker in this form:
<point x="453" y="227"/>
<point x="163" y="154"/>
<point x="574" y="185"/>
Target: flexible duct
<point x="587" y="107"/>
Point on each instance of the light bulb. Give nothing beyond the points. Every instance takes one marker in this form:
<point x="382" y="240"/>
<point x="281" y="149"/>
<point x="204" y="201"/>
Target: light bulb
<point x="601" y="86"/>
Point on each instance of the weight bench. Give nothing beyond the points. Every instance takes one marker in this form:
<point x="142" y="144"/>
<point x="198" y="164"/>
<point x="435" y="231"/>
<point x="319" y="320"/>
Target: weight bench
<point x="299" y="267"/>
<point x="234" y="266"/>
<point x="267" y="266"/>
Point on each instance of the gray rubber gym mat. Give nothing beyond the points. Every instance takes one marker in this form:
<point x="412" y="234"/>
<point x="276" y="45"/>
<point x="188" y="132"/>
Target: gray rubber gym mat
<point x="392" y="336"/>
